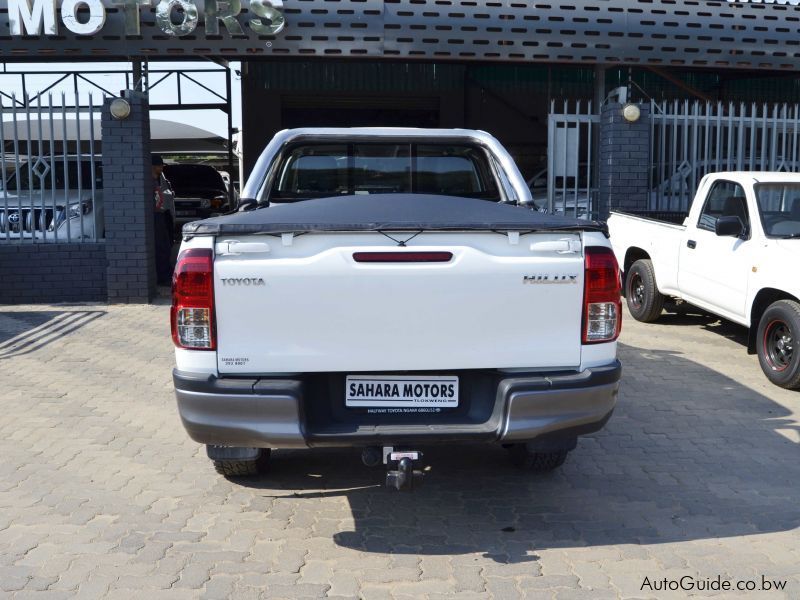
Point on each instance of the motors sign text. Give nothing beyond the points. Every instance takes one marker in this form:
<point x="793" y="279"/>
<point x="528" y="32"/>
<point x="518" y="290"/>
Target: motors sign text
<point x="175" y="18"/>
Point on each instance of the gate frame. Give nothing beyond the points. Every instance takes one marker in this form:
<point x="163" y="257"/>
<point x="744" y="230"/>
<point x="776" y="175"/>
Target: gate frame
<point x="725" y="136"/>
<point x="578" y="119"/>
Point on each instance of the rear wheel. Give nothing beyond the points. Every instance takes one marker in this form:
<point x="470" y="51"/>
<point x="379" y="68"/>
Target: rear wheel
<point x="645" y="302"/>
<point x="539" y="462"/>
<point x="777" y="343"/>
<point x="243" y="468"/>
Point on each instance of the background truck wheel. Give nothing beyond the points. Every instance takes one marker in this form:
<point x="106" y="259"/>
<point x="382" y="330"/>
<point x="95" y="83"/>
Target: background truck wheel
<point x="539" y="462"/>
<point x="243" y="468"/>
<point x="645" y="302"/>
<point x="777" y="343"/>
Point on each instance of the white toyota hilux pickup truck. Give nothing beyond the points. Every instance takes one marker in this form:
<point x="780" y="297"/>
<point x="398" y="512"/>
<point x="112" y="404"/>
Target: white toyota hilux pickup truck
<point x="379" y="289"/>
<point x="736" y="255"/>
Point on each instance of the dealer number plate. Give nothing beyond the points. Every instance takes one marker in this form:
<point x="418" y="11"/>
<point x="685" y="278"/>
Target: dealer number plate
<point x="401" y="391"/>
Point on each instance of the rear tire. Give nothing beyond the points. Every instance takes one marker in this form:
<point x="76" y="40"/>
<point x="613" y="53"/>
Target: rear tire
<point x="777" y="343"/>
<point x="537" y="462"/>
<point x="243" y="468"/>
<point x="645" y="302"/>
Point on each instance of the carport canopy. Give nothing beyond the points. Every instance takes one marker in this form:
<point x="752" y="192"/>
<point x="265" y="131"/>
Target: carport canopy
<point x="166" y="136"/>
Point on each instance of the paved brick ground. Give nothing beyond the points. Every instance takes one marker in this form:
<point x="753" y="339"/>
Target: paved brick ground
<point x="103" y="495"/>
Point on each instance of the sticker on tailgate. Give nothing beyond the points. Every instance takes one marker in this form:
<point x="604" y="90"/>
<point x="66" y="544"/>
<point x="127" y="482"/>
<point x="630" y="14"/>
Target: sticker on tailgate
<point x="401" y="391"/>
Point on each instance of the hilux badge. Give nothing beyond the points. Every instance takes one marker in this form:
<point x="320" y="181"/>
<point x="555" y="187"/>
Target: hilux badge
<point x="549" y="279"/>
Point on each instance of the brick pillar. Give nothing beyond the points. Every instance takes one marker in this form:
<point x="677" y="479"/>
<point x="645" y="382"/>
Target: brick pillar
<point x="624" y="160"/>
<point x="128" y="197"/>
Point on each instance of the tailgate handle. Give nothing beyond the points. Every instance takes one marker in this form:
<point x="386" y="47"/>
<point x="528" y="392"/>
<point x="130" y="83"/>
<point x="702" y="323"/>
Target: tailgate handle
<point x="565" y="246"/>
<point x="692" y="244"/>
<point x="236" y="247"/>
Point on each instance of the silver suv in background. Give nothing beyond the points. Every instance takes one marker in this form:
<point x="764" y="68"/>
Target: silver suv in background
<point x="53" y="199"/>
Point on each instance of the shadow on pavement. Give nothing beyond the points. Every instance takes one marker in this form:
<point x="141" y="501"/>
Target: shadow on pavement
<point x="689" y="455"/>
<point x="691" y="316"/>
<point x="25" y="332"/>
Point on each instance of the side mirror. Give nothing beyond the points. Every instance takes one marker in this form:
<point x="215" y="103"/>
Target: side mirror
<point x="246" y="204"/>
<point x="730" y="226"/>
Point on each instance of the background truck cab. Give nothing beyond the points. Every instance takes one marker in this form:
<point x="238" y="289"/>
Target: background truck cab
<point x="736" y="255"/>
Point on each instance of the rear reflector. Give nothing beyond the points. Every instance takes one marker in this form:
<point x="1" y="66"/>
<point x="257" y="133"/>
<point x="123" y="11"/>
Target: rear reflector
<point x="192" y="315"/>
<point x="402" y="257"/>
<point x="602" y="306"/>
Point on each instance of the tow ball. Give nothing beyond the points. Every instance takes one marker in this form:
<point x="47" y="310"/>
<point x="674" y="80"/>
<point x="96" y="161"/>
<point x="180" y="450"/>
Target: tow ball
<point x="402" y="478"/>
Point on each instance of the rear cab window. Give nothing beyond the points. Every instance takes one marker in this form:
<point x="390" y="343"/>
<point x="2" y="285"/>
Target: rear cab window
<point x="318" y="170"/>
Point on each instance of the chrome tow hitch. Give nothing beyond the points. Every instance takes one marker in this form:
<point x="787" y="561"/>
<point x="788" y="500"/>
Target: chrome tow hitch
<point x="404" y="477"/>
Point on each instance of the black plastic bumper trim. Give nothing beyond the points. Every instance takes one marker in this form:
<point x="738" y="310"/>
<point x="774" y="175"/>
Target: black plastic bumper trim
<point x="211" y="384"/>
<point x="268" y="412"/>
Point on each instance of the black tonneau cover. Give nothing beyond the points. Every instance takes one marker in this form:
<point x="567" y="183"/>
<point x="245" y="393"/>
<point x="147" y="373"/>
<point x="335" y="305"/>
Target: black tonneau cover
<point x="387" y="212"/>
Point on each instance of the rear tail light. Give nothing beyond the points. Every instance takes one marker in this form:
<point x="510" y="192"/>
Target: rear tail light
<point x="192" y="313"/>
<point x="602" y="307"/>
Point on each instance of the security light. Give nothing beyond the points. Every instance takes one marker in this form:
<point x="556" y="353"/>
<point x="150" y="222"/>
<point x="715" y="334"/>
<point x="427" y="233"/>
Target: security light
<point x="631" y="113"/>
<point x="120" y="109"/>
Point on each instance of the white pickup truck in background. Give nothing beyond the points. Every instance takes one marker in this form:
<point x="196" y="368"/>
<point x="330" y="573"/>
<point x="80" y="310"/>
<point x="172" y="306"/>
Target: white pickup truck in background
<point x="737" y="255"/>
<point x="388" y="294"/>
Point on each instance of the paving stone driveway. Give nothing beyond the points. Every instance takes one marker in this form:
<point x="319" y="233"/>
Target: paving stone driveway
<point x="103" y="495"/>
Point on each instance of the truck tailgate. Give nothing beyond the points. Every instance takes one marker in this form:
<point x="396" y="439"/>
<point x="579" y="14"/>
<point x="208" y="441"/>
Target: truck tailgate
<point x="306" y="304"/>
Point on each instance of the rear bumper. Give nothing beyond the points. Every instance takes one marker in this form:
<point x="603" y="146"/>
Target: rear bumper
<point x="272" y="412"/>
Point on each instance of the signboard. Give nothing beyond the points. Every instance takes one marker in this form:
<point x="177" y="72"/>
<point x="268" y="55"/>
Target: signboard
<point x="138" y="27"/>
<point x="174" y="18"/>
<point x="716" y="34"/>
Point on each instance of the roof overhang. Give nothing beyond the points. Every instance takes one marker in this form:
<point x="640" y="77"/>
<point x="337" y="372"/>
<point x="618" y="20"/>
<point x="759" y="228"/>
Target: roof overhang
<point x="702" y="33"/>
